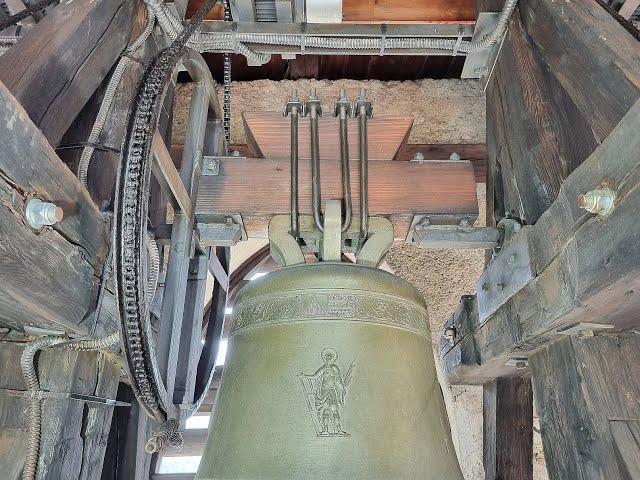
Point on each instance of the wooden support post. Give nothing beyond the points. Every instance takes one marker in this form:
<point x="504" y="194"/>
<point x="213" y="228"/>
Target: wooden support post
<point x="587" y="391"/>
<point x="74" y="433"/>
<point x="48" y="278"/>
<point x="580" y="268"/>
<point x="60" y="62"/>
<point x="554" y="97"/>
<point x="508" y="429"/>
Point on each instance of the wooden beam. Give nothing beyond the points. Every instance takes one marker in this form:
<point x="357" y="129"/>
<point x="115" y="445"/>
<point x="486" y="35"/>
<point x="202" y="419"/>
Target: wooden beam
<point x="628" y="8"/>
<point x="586" y="390"/>
<point x="268" y="134"/>
<point x="61" y="61"/>
<point x="47" y="278"/>
<point x="103" y="169"/>
<point x="475" y="153"/>
<point x="167" y="175"/>
<point x="549" y="107"/>
<point x="386" y="11"/>
<point x="74" y="433"/>
<point x="258" y="189"/>
<point x="582" y="268"/>
<point x="508" y="429"/>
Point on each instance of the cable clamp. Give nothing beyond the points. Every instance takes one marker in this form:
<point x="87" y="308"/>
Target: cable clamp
<point x="383" y="38"/>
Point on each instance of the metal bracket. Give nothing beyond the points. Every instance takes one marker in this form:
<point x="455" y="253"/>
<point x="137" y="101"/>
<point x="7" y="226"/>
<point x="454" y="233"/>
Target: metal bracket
<point x="585" y="329"/>
<point x="331" y="242"/>
<point x="220" y="230"/>
<point x="284" y="247"/>
<point x="81" y="397"/>
<point x="481" y="64"/>
<point x="378" y="244"/>
<point x="451" y="236"/>
<point x="506" y="275"/>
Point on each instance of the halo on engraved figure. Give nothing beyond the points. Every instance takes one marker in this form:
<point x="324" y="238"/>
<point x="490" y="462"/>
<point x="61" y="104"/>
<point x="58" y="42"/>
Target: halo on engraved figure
<point x="329" y="356"/>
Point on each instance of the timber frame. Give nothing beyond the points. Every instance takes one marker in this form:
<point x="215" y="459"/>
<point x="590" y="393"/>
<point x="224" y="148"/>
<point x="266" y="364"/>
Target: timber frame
<point x="557" y="310"/>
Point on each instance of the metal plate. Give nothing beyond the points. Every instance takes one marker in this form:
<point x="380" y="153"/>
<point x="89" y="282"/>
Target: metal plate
<point x="324" y="11"/>
<point x="481" y="64"/>
<point x="505" y="276"/>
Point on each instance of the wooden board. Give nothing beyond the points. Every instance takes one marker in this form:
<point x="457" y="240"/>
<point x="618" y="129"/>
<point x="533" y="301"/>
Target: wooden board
<point x="259" y="188"/>
<point x="586" y="391"/>
<point x="508" y="429"/>
<point x="408" y="10"/>
<point x="61" y="61"/>
<point x="550" y="105"/>
<point x="269" y="135"/>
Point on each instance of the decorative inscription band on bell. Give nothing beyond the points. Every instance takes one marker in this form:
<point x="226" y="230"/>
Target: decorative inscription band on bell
<point x="375" y="308"/>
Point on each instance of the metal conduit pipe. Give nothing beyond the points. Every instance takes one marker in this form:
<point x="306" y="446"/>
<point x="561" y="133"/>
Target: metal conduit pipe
<point x="109" y="96"/>
<point x="220" y="42"/>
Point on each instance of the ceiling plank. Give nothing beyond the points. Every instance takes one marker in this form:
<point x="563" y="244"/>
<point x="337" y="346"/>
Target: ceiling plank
<point x="408" y="10"/>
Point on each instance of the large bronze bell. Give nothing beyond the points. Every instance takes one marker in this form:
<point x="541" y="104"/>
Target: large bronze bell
<point x="329" y="372"/>
<point x="329" y="375"/>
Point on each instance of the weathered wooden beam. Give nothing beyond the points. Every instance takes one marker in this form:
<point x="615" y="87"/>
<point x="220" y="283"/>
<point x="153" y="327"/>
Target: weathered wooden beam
<point x="628" y="8"/>
<point x="582" y="268"/>
<point x="269" y="135"/>
<point x="168" y="177"/>
<point x="101" y="177"/>
<point x="47" y="278"/>
<point x="508" y="429"/>
<point x="74" y="433"/>
<point x="554" y="96"/>
<point x="259" y="188"/>
<point x="62" y="60"/>
<point x="586" y="391"/>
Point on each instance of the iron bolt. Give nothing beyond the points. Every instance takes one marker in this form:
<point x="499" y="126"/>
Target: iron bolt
<point x="211" y="165"/>
<point x="455" y="157"/>
<point x="235" y="153"/>
<point x="597" y="201"/>
<point x="464" y="223"/>
<point x="450" y="334"/>
<point x="39" y="213"/>
<point x="418" y="157"/>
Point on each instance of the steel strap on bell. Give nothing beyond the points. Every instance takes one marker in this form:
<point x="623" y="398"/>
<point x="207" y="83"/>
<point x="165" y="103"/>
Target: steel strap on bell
<point x="330" y="371"/>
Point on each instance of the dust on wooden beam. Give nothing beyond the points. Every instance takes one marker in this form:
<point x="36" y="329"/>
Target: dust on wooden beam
<point x="259" y="188"/>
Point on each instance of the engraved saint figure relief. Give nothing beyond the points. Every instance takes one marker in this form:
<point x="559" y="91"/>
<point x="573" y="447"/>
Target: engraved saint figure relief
<point x="325" y="392"/>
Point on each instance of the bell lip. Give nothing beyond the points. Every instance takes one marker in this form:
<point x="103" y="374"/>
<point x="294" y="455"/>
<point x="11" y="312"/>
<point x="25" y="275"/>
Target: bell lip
<point x="305" y="276"/>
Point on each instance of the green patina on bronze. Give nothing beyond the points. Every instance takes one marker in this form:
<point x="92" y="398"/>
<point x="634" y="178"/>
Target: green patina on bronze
<point x="329" y="375"/>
